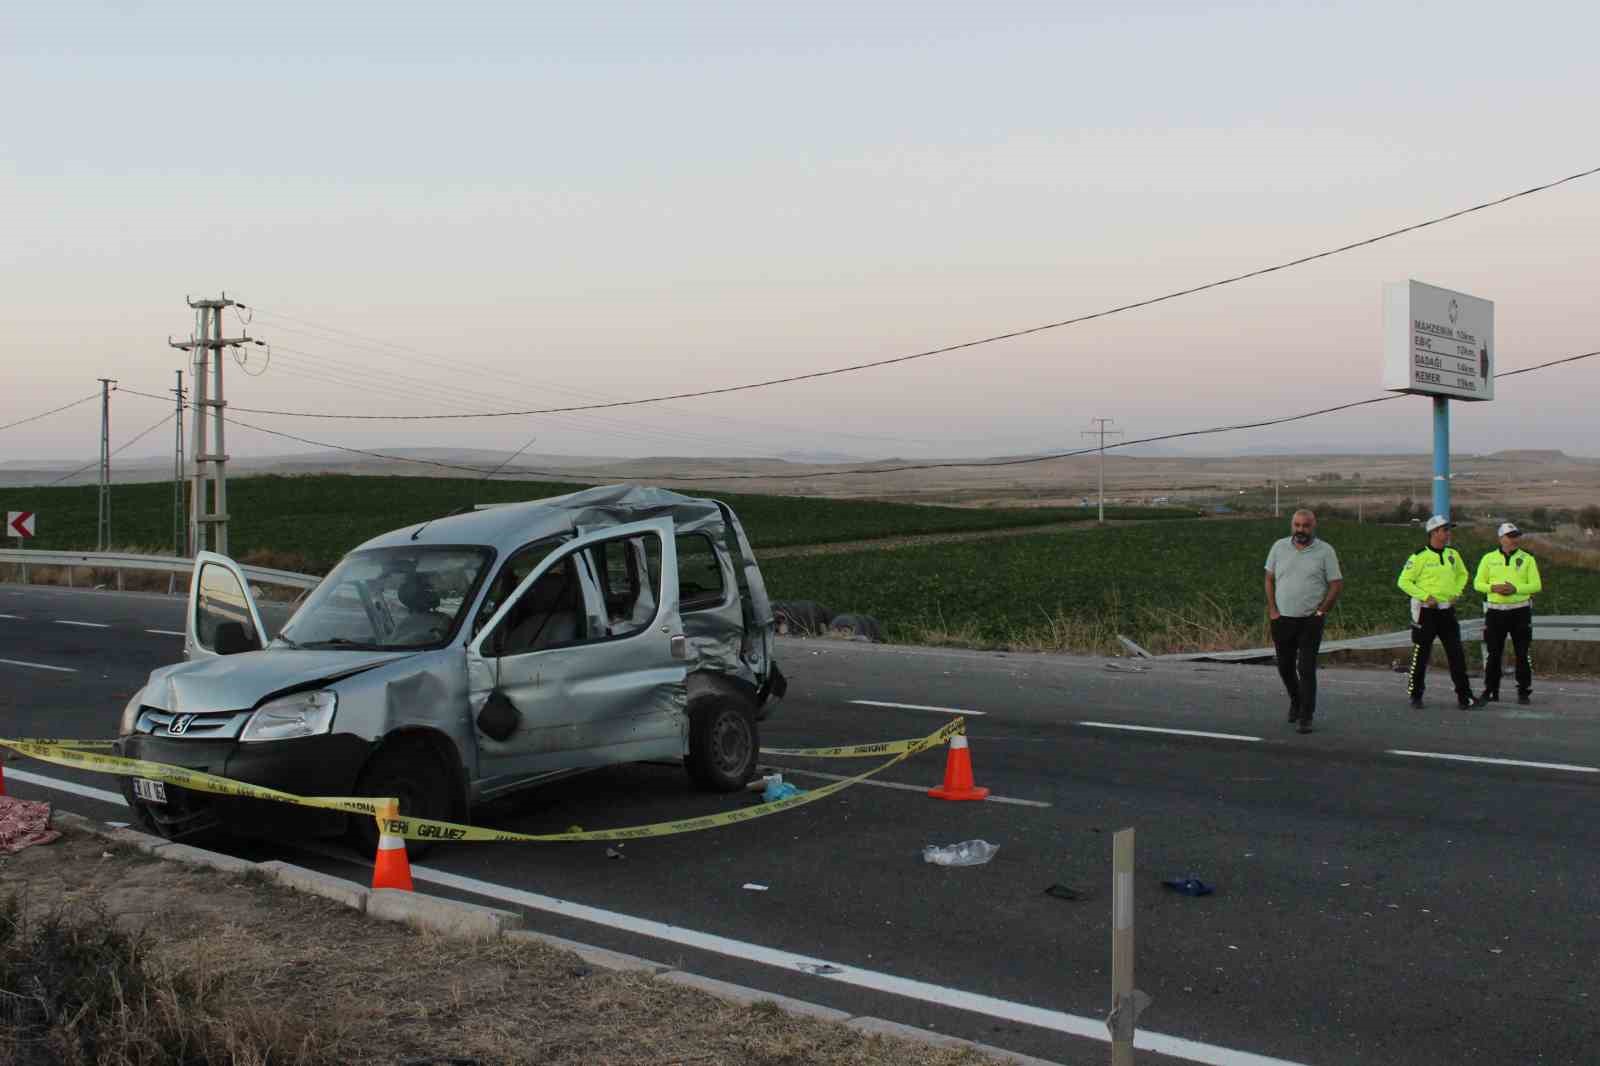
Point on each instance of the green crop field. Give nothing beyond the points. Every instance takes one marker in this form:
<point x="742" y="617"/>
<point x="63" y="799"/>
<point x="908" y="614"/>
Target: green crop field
<point x="1171" y="586"/>
<point x="309" y="522"/>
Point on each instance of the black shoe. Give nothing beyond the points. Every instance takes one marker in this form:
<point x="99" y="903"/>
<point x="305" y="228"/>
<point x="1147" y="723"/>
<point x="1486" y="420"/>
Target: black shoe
<point x="1477" y="701"/>
<point x="1466" y="703"/>
<point x="1524" y="697"/>
<point x="1416" y="703"/>
<point x="1489" y="697"/>
<point x="1305" y="725"/>
<point x="1294" y="713"/>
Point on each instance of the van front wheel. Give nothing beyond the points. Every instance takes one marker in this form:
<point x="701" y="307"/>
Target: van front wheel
<point x="409" y="771"/>
<point x="723" y="743"/>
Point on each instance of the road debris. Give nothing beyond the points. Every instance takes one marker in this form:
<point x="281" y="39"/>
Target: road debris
<point x="1189" y="886"/>
<point x="966" y="853"/>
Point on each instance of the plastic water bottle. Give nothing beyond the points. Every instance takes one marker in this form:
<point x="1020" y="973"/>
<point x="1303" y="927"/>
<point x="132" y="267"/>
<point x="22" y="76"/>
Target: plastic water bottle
<point x="966" y="853"/>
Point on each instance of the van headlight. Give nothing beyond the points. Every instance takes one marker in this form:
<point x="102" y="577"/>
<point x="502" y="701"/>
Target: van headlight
<point x="305" y="714"/>
<point x="130" y="714"/>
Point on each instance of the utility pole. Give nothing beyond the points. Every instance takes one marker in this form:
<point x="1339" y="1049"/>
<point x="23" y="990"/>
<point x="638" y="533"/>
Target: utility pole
<point x="179" y="541"/>
<point x="102" y="533"/>
<point x="207" y="515"/>
<point x="1101" y="431"/>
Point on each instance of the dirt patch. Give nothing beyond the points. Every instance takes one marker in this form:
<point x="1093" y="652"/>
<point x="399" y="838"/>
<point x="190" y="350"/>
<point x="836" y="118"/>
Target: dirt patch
<point x="275" y="976"/>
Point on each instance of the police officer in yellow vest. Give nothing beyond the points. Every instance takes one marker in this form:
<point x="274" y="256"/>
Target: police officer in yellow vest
<point x="1508" y="578"/>
<point x="1434" y="578"/>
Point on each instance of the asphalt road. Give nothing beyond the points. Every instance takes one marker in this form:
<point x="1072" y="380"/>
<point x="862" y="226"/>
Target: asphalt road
<point x="1375" y="901"/>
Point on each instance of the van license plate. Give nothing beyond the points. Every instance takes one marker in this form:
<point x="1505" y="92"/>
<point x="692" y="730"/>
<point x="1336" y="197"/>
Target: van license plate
<point x="150" y="791"/>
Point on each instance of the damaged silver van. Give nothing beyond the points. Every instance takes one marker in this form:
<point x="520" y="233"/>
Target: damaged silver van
<point x="457" y="660"/>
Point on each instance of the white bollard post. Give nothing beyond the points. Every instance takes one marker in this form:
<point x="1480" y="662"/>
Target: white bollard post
<point x="1127" y="1003"/>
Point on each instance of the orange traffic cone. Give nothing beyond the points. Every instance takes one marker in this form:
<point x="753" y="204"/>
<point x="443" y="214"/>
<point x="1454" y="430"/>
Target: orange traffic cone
<point x="391" y="868"/>
<point x="958" y="774"/>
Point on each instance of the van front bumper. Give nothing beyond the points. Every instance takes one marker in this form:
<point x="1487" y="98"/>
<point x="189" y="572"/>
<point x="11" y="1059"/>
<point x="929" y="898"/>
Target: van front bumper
<point x="326" y="765"/>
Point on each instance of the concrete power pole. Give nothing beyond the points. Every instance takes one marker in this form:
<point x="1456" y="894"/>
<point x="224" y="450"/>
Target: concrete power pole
<point x="102" y="533"/>
<point x="1102" y="432"/>
<point x="208" y="515"/>
<point x="179" y="541"/>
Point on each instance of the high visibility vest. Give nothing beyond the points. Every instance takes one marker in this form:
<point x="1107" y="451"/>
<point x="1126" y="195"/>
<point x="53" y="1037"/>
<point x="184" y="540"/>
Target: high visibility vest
<point x="1497" y="568"/>
<point x="1441" y="574"/>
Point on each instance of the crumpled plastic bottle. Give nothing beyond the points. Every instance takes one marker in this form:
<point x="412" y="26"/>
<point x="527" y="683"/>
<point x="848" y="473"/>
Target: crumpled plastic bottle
<point x="966" y="853"/>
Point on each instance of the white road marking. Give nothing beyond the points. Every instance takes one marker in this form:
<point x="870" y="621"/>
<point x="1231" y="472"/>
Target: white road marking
<point x="167" y="632"/>
<point x="1497" y="762"/>
<point x="13" y="617"/>
<point x="40" y="666"/>
<point x="66" y="786"/>
<point x="1174" y="732"/>
<point x="920" y="707"/>
<point x="86" y="625"/>
<point x="904" y="788"/>
<point x="991" y="1006"/>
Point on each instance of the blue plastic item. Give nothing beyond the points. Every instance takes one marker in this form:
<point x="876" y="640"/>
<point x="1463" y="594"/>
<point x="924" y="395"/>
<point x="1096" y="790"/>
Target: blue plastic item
<point x="779" y="790"/>
<point x="1189" y="886"/>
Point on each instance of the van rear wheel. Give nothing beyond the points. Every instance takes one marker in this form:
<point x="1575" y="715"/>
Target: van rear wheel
<point x="409" y="771"/>
<point x="724" y="743"/>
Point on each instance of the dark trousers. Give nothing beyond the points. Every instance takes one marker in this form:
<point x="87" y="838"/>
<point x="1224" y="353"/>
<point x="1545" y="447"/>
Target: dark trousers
<point x="1438" y="622"/>
<point x="1296" y="641"/>
<point x="1518" y="624"/>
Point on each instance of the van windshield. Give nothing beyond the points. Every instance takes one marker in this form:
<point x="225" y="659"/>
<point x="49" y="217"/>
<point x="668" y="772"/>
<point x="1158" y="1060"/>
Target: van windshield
<point x="387" y="599"/>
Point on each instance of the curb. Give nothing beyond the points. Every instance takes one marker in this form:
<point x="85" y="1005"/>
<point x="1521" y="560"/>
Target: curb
<point x="473" y="921"/>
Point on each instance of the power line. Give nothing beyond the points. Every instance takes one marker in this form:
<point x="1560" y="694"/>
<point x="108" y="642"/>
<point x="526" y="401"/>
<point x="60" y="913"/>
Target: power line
<point x="118" y="451"/>
<point x="1011" y="335"/>
<point x="902" y="468"/>
<point x="377" y="346"/>
<point x="53" y="411"/>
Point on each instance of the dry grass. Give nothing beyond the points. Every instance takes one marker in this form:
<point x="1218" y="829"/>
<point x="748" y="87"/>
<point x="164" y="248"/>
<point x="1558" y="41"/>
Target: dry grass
<point x="1205" y="625"/>
<point x="100" y="577"/>
<point x="236" y="970"/>
<point x="1567" y="550"/>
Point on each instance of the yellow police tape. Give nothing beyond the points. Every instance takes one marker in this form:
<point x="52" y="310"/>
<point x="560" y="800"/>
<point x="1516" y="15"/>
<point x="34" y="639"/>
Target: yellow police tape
<point x="83" y="755"/>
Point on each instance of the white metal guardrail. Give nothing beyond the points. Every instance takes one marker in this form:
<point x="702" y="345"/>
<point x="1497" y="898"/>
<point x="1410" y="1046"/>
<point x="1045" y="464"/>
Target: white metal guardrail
<point x="1579" y="627"/>
<point x="121" y="561"/>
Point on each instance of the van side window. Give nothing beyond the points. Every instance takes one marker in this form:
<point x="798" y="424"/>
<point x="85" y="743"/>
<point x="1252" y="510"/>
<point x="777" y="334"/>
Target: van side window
<point x="549" y="614"/>
<point x="512" y="574"/>
<point x="699" y="573"/>
<point x="629" y="572"/>
<point x="221" y="606"/>
<point x="552" y="612"/>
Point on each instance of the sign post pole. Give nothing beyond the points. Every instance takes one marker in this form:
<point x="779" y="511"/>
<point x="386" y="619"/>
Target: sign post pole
<point x="1441" y="455"/>
<point x="1440" y="344"/>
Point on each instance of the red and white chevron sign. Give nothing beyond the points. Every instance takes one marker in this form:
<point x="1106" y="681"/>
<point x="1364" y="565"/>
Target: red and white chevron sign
<point x="19" y="523"/>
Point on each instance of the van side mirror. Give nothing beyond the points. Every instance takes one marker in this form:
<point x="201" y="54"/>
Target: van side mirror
<point x="231" y="638"/>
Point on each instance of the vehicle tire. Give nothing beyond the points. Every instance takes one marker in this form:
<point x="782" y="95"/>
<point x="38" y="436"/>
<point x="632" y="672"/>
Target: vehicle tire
<point x="408" y="770"/>
<point x="724" y="743"/>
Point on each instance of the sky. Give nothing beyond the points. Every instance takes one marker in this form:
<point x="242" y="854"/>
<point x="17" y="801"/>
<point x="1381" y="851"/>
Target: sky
<point x="472" y="207"/>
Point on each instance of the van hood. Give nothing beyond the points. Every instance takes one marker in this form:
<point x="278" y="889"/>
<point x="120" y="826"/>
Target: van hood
<point x="239" y="682"/>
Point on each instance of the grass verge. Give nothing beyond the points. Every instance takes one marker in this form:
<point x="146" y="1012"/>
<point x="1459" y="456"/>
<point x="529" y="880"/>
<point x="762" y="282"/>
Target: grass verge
<point x="1171" y="586"/>
<point x="112" y="958"/>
